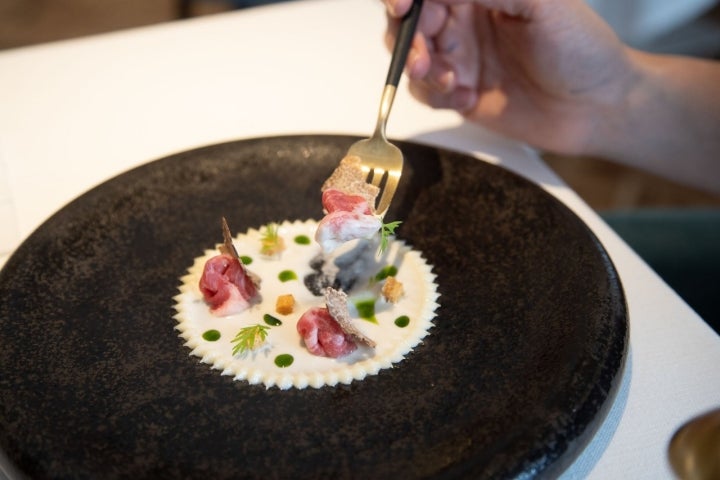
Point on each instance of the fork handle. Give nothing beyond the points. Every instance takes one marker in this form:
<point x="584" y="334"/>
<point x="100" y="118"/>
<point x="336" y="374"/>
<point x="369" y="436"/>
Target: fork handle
<point x="403" y="43"/>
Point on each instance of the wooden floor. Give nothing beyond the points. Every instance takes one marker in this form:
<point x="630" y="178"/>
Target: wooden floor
<point x="602" y="184"/>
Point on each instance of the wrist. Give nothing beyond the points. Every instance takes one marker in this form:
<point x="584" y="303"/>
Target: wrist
<point x="612" y="117"/>
<point x="667" y="120"/>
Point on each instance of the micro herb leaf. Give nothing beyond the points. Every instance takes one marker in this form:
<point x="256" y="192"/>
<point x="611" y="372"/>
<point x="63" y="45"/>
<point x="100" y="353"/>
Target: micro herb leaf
<point x="386" y="231"/>
<point x="249" y="338"/>
<point x="272" y="242"/>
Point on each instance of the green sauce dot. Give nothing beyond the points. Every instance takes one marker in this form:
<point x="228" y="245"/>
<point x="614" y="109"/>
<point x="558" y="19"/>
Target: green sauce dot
<point x="272" y="321"/>
<point x="302" y="240"/>
<point x="389" y="271"/>
<point x="287" y="275"/>
<point x="211" y="335"/>
<point x="246" y="260"/>
<point x="366" y="310"/>
<point x="402" y="321"/>
<point x="284" y="360"/>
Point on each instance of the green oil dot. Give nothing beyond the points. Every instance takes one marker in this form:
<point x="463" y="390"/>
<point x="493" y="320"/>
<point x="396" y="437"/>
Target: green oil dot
<point x="211" y="335"/>
<point x="272" y="321"/>
<point x="302" y="240"/>
<point x="366" y="309"/>
<point x="246" y="260"/>
<point x="389" y="271"/>
<point x="402" y="321"/>
<point x="284" y="360"/>
<point x="287" y="275"/>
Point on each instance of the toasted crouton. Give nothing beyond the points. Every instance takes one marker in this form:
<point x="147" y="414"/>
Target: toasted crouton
<point x="392" y="289"/>
<point x="348" y="177"/>
<point x="285" y="304"/>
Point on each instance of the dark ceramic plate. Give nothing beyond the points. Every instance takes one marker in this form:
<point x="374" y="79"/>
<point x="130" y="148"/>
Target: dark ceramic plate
<point x="521" y="367"/>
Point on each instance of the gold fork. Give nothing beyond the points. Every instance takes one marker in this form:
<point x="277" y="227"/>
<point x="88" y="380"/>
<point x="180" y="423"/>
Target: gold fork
<point x="381" y="159"/>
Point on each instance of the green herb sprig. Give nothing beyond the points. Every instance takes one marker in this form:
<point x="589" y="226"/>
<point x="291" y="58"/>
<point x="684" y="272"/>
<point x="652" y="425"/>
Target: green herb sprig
<point x="386" y="231"/>
<point x="249" y="338"/>
<point x="272" y="242"/>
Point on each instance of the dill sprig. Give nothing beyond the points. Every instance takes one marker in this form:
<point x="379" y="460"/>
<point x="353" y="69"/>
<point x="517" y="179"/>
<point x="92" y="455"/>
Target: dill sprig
<point x="249" y="338"/>
<point x="386" y="231"/>
<point x="272" y="242"/>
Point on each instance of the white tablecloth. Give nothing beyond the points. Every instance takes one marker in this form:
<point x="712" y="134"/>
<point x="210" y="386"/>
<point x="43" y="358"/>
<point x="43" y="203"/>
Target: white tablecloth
<point x="79" y="112"/>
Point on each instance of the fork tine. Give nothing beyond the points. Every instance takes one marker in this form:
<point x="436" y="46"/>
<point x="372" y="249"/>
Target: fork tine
<point x="377" y="176"/>
<point x="388" y="192"/>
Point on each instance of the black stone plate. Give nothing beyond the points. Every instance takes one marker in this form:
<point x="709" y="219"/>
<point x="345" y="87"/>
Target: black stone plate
<point x="520" y="369"/>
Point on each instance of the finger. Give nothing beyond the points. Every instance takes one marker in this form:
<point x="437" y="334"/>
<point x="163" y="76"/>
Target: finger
<point x="432" y="20"/>
<point x="397" y="8"/>
<point x="515" y="8"/>
<point x="424" y="64"/>
<point x="417" y="63"/>
<point x="441" y="74"/>
<point x="390" y="34"/>
<point x="462" y="100"/>
<point x="457" y="47"/>
<point x="419" y="57"/>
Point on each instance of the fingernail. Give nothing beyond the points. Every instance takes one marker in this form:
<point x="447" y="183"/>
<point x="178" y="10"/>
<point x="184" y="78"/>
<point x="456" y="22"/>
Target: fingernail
<point x="410" y="63"/>
<point x="447" y="81"/>
<point x="443" y="82"/>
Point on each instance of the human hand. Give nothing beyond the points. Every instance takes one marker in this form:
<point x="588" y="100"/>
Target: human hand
<point x="547" y="72"/>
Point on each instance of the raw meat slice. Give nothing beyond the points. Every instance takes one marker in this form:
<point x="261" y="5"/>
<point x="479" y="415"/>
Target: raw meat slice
<point x="334" y="200"/>
<point x="337" y="304"/>
<point x="349" y="205"/>
<point x="226" y="285"/>
<point x="322" y="334"/>
<point x="341" y="226"/>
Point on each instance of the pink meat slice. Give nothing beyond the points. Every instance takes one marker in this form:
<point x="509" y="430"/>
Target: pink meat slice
<point x="334" y="200"/>
<point x="349" y="217"/>
<point x="226" y="285"/>
<point x="322" y="334"/>
<point x="339" y="227"/>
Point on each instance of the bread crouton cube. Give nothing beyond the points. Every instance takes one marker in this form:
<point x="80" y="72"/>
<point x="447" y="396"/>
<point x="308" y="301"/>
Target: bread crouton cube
<point x="285" y="304"/>
<point x="392" y="289"/>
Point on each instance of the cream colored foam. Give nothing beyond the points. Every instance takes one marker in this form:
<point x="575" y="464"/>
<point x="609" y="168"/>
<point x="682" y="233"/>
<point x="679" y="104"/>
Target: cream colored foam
<point x="258" y="367"/>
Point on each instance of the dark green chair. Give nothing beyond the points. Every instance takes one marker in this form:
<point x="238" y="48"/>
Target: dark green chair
<point x="683" y="247"/>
